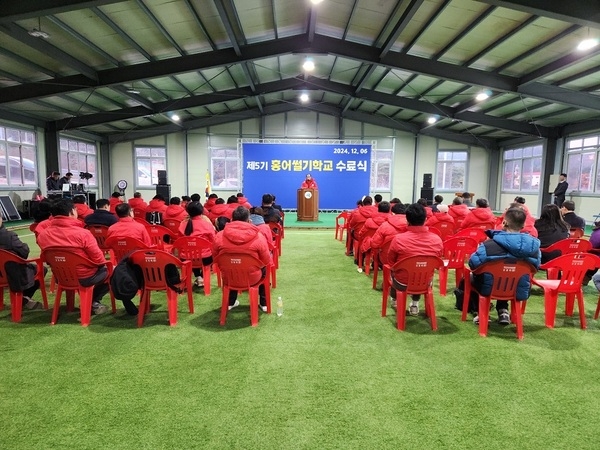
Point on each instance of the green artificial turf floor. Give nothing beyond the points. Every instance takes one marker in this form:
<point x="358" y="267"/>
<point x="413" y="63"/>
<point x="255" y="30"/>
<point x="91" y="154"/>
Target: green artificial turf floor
<point x="330" y="373"/>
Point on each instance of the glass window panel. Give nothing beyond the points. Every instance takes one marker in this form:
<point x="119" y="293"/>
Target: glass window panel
<point x="29" y="166"/>
<point x="27" y="137"/>
<point x="72" y="146"/>
<point x="158" y="152"/>
<point x="590" y="141"/>
<point x="575" y="143"/>
<point x="13" y="135"/>
<point x="527" y="174"/>
<point x="518" y="153"/>
<point x="573" y="170"/>
<point x="73" y="162"/>
<point x="507" y="176"/>
<point x="144" y="172"/>
<point x="81" y="147"/>
<point x="14" y="162"/>
<point x="538" y="150"/>
<point x="3" y="172"/>
<point x="91" y="149"/>
<point x="2" y="135"/>
<point x="508" y="154"/>
<point x="383" y="179"/>
<point x="586" y="173"/>
<point x="142" y="151"/>
<point x="527" y="152"/>
<point x="64" y="144"/>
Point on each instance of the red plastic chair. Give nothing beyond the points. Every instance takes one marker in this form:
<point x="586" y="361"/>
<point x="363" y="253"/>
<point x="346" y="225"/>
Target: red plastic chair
<point x="32" y="228"/>
<point x="575" y="232"/>
<point x="572" y="268"/>
<point x="122" y="246"/>
<point x="446" y="229"/>
<point x="16" y="297"/>
<point x="277" y="231"/>
<point x="435" y="231"/>
<point x="420" y="271"/>
<point x="153" y="263"/>
<point x="506" y="276"/>
<point x="341" y="225"/>
<point x="100" y="233"/>
<point x="476" y="233"/>
<point x="565" y="247"/>
<point x="64" y="268"/>
<point x="235" y="269"/>
<point x="161" y="236"/>
<point x="190" y="248"/>
<point x="380" y="259"/>
<point x="173" y="225"/>
<point x="363" y="258"/>
<point x="140" y="213"/>
<point x="456" y="251"/>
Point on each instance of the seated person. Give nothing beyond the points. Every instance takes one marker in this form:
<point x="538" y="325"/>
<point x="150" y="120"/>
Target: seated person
<point x="428" y="211"/>
<point x="441" y="216"/>
<point x="22" y="275"/>
<point x="568" y="212"/>
<point x="529" y="226"/>
<point x="210" y="202"/>
<point x="83" y="210"/>
<point x="66" y="231"/>
<point x="137" y="201"/>
<point x="37" y="195"/>
<point x="395" y="224"/>
<point x="127" y="227"/>
<point x="157" y="204"/>
<point x="175" y="210"/>
<point x="372" y="224"/>
<point x="115" y="199"/>
<point x="551" y="228"/>
<point x="466" y="198"/>
<point x="198" y="226"/>
<point x="481" y="215"/>
<point x="101" y="215"/>
<point x="458" y="210"/>
<point x="243" y="200"/>
<point x="437" y="200"/>
<point x="271" y="214"/>
<point x="220" y="209"/>
<point x="185" y="200"/>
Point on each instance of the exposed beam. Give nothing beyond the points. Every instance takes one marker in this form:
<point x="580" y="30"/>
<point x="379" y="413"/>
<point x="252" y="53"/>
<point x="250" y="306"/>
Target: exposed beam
<point x="557" y="65"/>
<point x="12" y="11"/>
<point x="21" y="118"/>
<point x="561" y="95"/>
<point x="585" y="13"/>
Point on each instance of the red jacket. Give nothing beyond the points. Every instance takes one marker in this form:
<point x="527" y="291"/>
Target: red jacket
<point x="176" y="212"/>
<point x="243" y="237"/>
<point x="439" y="217"/>
<point x="201" y="228"/>
<point x="209" y="203"/>
<point x="309" y="184"/>
<point x="477" y="217"/>
<point x="458" y="212"/>
<point x="156" y="205"/>
<point x="69" y="232"/>
<point x="221" y="210"/>
<point x="395" y="224"/>
<point x="127" y="227"/>
<point x="244" y="202"/>
<point x="360" y="216"/>
<point x="83" y="210"/>
<point x="137" y="203"/>
<point x="113" y="202"/>
<point x="370" y="227"/>
<point x="416" y="241"/>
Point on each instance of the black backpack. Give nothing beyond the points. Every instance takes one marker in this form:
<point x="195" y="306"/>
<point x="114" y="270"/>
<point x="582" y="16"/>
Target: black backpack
<point x="126" y="280"/>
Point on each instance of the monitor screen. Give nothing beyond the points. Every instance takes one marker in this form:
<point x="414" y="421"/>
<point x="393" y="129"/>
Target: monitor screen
<point x="66" y="187"/>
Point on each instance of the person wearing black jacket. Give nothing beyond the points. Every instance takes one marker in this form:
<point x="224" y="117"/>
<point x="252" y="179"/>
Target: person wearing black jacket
<point x="561" y="190"/>
<point x="23" y="275"/>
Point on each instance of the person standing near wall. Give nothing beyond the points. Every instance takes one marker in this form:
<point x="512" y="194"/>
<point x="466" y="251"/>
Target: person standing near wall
<point x="561" y="190"/>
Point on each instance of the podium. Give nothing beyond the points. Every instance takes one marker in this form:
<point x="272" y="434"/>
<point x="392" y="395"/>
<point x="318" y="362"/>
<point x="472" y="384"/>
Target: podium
<point x="308" y="205"/>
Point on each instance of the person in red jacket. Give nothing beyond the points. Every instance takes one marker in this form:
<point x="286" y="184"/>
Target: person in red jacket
<point x="309" y="182"/>
<point x="157" y="204"/>
<point x="480" y="216"/>
<point x="199" y="226"/>
<point x="220" y="209"/>
<point x="423" y="203"/>
<point x="137" y="201"/>
<point x="241" y="236"/>
<point x="115" y="199"/>
<point x="66" y="231"/>
<point x="372" y="224"/>
<point x="529" y="226"/>
<point x="210" y="202"/>
<point x="185" y="200"/>
<point x="127" y="227"/>
<point x="83" y="210"/>
<point x="416" y="241"/>
<point x="440" y="216"/>
<point x="395" y="224"/>
<point x="243" y="200"/>
<point x="458" y="210"/>
<point x="175" y="210"/>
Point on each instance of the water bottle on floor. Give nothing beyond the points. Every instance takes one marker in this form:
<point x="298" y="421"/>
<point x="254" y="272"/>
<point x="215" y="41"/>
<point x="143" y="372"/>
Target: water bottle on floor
<point x="279" y="307"/>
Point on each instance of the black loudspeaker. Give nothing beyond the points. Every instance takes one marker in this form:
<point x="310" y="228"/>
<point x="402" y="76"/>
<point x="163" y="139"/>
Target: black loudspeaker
<point x="29" y="208"/>
<point x="164" y="190"/>
<point x="162" y="176"/>
<point x="427" y="194"/>
<point x="427" y="180"/>
<point x="91" y="199"/>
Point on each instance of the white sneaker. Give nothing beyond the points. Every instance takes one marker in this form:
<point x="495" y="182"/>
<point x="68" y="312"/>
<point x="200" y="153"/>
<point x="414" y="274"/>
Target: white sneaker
<point x="413" y="310"/>
<point x="236" y="304"/>
<point x="263" y="308"/>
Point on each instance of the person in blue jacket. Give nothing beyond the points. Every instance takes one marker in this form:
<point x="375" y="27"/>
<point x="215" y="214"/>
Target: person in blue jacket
<point x="508" y="243"/>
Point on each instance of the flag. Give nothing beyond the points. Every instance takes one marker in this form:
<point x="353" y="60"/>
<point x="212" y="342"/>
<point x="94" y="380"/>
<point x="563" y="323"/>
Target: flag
<point x="207" y="188"/>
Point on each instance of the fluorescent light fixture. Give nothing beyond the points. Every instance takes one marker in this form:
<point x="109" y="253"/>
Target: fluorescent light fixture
<point x="309" y="65"/>
<point x="483" y="95"/>
<point x="431" y="120"/>
<point x="316" y="2"/>
<point x="587" y="44"/>
<point x="39" y="34"/>
<point x="304" y="97"/>
<point x="175" y="117"/>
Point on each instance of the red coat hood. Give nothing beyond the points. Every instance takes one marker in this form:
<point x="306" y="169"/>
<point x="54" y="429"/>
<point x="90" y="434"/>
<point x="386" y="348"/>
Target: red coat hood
<point x="240" y="233"/>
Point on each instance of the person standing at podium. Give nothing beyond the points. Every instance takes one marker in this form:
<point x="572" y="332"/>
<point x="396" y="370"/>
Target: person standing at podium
<point x="309" y="182"/>
<point x="52" y="182"/>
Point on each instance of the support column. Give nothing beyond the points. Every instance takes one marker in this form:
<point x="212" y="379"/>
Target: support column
<point x="51" y="144"/>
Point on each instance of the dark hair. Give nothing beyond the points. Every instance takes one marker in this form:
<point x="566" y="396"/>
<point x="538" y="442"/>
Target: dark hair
<point x="115" y="195"/>
<point x="383" y="207"/>
<point x="63" y="207"/>
<point x="210" y="196"/>
<point x="158" y="197"/>
<point x="239" y="194"/>
<point x="232" y="199"/>
<point x="367" y="201"/>
<point x="175" y="201"/>
<point x="44" y="210"/>
<point x="466" y="195"/>
<point x="395" y="200"/>
<point x="515" y="218"/>
<point x="137" y="195"/>
<point x="551" y="219"/>
<point x="267" y="199"/>
<point x="186" y="198"/>
<point x="482" y="203"/>
<point x="257" y="210"/>
<point x="438" y="198"/>
<point x="415" y="214"/>
<point x="422" y="201"/>
<point x="520" y="200"/>
<point x="196" y="197"/>
<point x="194" y="209"/>
<point x="55" y="174"/>
<point x="102" y="202"/>
<point x="79" y="199"/>
<point x="220" y="222"/>
<point x="241" y="213"/>
<point x="457" y="201"/>
<point x="68" y="174"/>
<point x="219" y="201"/>
<point x="569" y="205"/>
<point x="398" y="208"/>
<point x="564" y="175"/>
<point x="377" y="198"/>
<point x="123" y="210"/>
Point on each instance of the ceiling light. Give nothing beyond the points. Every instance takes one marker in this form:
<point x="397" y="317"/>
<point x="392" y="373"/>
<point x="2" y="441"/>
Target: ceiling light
<point x="586" y="44"/>
<point x="175" y="117"/>
<point x="309" y="65"/>
<point x="132" y="90"/>
<point x="483" y="95"/>
<point x="316" y="2"/>
<point x="37" y="32"/>
<point x="431" y="120"/>
<point x="304" y="97"/>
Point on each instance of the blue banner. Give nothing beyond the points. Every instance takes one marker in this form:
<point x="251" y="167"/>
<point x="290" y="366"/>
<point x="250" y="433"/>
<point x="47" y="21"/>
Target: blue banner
<point x="342" y="172"/>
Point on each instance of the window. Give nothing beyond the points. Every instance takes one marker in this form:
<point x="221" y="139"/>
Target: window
<point x="148" y="161"/>
<point x="18" y="163"/>
<point x="583" y="174"/>
<point x="225" y="169"/>
<point x="78" y="157"/>
<point x="451" y="170"/>
<point x="381" y="170"/>
<point x="522" y="169"/>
